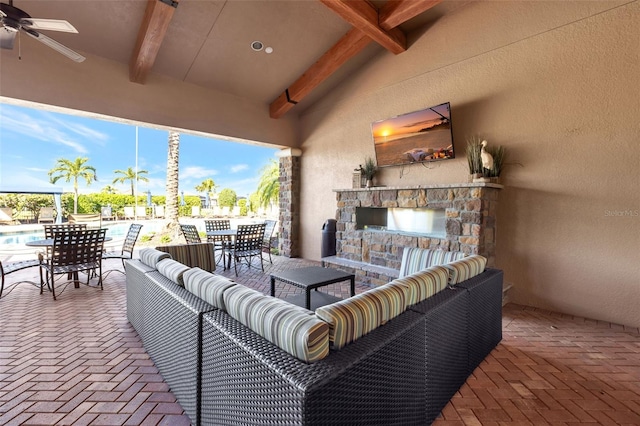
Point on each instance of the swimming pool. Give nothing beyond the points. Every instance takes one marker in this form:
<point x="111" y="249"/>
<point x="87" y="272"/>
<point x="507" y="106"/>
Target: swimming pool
<point x="116" y="230"/>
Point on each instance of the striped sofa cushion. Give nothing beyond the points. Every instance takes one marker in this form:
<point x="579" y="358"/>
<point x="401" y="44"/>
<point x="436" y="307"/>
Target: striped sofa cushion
<point x="207" y="286"/>
<point x="466" y="268"/>
<point x="415" y="259"/>
<point x="423" y="284"/>
<point x="293" y="329"/>
<point x="356" y="316"/>
<point x="173" y="270"/>
<point x="151" y="256"/>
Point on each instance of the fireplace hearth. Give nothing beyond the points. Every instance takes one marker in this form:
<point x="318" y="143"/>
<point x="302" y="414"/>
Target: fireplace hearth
<point x="374" y="225"/>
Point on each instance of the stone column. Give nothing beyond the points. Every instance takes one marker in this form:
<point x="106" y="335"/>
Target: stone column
<point x="289" y="229"/>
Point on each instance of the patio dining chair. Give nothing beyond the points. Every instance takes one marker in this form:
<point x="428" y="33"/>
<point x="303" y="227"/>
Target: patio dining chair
<point x="248" y="245"/>
<point x="127" y="247"/>
<point x="190" y="233"/>
<point x="270" y="226"/>
<point x="220" y="243"/>
<point x="12" y="267"/>
<point x="74" y="252"/>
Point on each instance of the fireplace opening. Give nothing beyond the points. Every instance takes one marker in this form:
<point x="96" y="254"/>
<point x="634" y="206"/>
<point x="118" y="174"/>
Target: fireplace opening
<point x="411" y="220"/>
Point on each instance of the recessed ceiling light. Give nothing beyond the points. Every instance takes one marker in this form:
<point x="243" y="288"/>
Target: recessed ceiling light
<point x="268" y="50"/>
<point x="257" y="45"/>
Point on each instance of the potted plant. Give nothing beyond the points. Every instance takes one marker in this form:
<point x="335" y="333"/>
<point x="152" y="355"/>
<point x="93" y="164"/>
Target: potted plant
<point x="473" y="157"/>
<point x="477" y="149"/>
<point x="369" y="171"/>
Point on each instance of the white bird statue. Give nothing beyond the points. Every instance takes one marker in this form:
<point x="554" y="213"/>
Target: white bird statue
<point x="487" y="159"/>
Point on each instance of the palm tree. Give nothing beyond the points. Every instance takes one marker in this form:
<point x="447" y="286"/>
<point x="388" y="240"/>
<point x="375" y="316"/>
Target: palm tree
<point x="72" y="170"/>
<point x="131" y="176"/>
<point x="172" y="180"/>
<point x="109" y="190"/>
<point x="269" y="185"/>
<point x="207" y="186"/>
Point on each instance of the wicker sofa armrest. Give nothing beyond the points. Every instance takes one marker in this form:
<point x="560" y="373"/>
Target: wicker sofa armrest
<point x="378" y="379"/>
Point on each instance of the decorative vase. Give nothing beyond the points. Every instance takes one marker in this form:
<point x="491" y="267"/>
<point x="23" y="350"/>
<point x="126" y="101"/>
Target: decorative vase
<point x="369" y="183"/>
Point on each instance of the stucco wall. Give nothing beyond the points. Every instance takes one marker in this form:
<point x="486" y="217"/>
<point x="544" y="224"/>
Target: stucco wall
<point x="556" y="83"/>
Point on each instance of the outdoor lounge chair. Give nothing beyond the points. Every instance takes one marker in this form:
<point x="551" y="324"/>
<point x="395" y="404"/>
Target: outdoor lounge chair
<point x="47" y="214"/>
<point x="141" y="212"/>
<point x="248" y="245"/>
<point x="129" y="213"/>
<point x="127" y="247"/>
<point x="6" y="216"/>
<point x="74" y="252"/>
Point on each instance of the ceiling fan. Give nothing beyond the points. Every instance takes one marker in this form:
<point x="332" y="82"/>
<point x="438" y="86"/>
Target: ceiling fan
<point x="12" y="20"/>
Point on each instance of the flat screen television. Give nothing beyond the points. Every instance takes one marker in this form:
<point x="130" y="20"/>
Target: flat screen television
<point x="415" y="137"/>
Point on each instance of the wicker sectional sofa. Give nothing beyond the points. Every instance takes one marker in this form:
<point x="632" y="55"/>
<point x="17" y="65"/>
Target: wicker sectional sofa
<point x="223" y="372"/>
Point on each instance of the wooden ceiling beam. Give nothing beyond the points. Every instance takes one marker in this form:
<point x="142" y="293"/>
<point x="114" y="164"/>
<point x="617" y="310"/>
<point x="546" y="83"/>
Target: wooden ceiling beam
<point x="153" y="29"/>
<point x="362" y="15"/>
<point x="346" y="48"/>
<point x="396" y="12"/>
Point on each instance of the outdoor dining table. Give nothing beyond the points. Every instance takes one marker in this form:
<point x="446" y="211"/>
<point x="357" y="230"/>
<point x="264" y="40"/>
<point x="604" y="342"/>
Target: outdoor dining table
<point x="231" y="234"/>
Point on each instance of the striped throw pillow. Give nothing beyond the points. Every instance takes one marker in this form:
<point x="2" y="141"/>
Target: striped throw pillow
<point x="415" y="259"/>
<point x="466" y="268"/>
<point x="151" y="256"/>
<point x="423" y="284"/>
<point x="394" y="297"/>
<point x="293" y="329"/>
<point x="207" y="286"/>
<point x="172" y="270"/>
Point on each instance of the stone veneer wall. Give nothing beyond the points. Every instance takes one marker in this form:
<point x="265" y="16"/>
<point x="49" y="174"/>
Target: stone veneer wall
<point x="289" y="230"/>
<point x="470" y="223"/>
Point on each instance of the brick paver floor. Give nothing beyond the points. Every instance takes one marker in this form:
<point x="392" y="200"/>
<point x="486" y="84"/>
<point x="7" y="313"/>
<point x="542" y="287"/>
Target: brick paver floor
<point x="77" y="361"/>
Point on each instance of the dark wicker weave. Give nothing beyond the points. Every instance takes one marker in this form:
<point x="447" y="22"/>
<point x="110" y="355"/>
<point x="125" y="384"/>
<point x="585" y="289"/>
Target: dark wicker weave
<point x="377" y="380"/>
<point x="446" y="337"/>
<point x="172" y="338"/>
<point x="485" y="314"/>
<point x="136" y="283"/>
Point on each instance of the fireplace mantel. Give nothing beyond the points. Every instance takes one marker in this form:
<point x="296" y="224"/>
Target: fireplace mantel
<point x="470" y="222"/>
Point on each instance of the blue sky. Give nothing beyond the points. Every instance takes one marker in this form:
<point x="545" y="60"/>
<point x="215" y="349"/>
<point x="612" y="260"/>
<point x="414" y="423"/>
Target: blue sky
<point x="31" y="140"/>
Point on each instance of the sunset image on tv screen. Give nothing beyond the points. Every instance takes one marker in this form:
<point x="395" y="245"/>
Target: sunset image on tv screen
<point x="415" y="137"/>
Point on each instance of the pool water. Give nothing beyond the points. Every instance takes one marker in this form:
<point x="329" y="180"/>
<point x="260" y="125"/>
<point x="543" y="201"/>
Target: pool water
<point x="114" y="230"/>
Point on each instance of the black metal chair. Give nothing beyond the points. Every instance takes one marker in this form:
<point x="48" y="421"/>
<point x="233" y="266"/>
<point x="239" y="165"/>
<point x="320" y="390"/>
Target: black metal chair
<point x="74" y="252"/>
<point x="190" y="233"/>
<point x="220" y="243"/>
<point x="270" y="226"/>
<point x="248" y="245"/>
<point x="127" y="247"/>
<point x="9" y="268"/>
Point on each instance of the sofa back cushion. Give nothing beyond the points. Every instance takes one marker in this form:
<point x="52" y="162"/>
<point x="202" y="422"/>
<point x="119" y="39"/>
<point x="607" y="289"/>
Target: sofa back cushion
<point x="415" y="259"/>
<point x="293" y="329"/>
<point x="423" y="284"/>
<point x="356" y="316"/>
<point x="173" y="270"/>
<point x="151" y="256"/>
<point x="207" y="286"/>
<point x="466" y="268"/>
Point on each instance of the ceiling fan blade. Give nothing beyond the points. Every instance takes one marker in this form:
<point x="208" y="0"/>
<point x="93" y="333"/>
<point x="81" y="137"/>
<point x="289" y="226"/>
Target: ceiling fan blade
<point x="7" y="37"/>
<point x="48" y="25"/>
<point x="55" y="45"/>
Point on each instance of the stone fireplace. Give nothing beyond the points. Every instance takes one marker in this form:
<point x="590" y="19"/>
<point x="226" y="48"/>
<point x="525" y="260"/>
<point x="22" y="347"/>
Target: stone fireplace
<point x="374" y="225"/>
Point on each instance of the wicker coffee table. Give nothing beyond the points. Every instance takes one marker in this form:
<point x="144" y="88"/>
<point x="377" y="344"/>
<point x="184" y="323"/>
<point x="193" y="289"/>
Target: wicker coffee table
<point x="311" y="278"/>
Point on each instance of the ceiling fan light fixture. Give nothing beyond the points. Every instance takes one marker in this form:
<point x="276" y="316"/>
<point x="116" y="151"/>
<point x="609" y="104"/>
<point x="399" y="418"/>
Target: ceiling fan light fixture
<point x="257" y="45"/>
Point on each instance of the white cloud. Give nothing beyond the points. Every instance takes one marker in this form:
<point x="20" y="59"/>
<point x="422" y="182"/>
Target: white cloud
<point x="239" y="168"/>
<point x="196" y="172"/>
